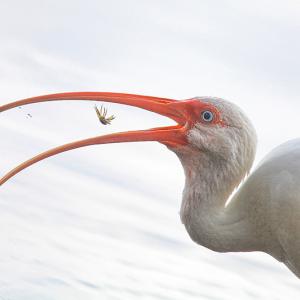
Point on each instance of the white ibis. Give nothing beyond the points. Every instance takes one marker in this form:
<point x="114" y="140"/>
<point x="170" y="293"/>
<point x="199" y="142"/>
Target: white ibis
<point x="216" y="145"/>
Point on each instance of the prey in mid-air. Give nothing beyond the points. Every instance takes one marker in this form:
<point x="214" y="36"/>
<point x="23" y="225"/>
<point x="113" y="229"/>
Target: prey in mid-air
<point x="102" y="115"/>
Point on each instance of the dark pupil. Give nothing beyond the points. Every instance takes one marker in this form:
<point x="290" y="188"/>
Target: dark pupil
<point x="207" y="116"/>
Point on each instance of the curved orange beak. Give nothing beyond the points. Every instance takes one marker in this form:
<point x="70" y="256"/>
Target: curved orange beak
<point x="172" y="136"/>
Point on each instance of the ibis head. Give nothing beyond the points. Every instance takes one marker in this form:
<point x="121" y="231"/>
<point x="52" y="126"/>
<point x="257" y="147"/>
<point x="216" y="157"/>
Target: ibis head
<point x="204" y="125"/>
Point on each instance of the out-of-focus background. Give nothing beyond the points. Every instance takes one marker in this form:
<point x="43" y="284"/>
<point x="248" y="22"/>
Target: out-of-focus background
<point x="102" y="222"/>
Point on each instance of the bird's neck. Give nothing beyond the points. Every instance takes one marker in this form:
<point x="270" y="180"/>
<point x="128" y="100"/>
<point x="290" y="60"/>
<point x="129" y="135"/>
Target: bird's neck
<point x="209" y="222"/>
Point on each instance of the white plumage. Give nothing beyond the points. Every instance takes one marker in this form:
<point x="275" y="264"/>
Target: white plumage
<point x="264" y="214"/>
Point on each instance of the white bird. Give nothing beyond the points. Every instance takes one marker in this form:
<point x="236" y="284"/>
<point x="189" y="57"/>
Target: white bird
<point x="216" y="145"/>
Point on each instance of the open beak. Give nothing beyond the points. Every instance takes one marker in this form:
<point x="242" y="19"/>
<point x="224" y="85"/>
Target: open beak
<point x="172" y="136"/>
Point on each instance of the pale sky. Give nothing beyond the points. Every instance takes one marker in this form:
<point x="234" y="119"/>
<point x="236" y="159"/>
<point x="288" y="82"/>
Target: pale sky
<point x="128" y="195"/>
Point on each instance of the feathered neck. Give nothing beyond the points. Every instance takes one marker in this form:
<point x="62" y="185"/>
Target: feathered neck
<point x="209" y="222"/>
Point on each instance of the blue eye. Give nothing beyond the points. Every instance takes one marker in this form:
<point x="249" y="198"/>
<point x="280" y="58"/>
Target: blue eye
<point x="207" y="116"/>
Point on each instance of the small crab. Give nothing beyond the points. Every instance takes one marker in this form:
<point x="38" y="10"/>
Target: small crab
<point x="102" y="115"/>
